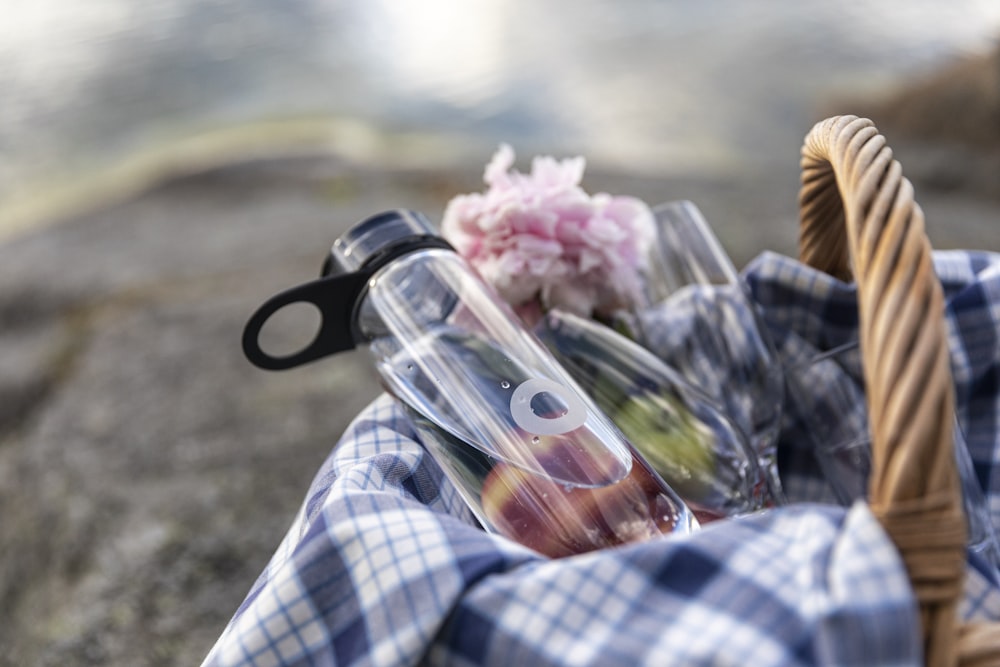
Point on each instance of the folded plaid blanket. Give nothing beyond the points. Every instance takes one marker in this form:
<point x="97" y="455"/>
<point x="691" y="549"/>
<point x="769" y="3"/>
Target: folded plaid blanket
<point x="384" y="565"/>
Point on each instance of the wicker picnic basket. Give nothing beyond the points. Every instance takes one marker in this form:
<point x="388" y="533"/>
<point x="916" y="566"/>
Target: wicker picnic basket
<point x="859" y="217"/>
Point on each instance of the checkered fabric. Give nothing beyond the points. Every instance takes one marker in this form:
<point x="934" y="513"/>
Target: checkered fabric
<point x="384" y="565"/>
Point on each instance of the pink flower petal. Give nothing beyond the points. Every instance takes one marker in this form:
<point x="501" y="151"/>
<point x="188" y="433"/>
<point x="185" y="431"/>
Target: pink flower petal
<point x="541" y="237"/>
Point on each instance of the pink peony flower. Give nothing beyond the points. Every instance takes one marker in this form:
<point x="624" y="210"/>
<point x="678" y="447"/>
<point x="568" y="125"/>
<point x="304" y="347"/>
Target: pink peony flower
<point x="545" y="243"/>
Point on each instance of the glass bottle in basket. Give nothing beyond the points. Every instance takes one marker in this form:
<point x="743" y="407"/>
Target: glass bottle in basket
<point x="703" y="323"/>
<point x="529" y="452"/>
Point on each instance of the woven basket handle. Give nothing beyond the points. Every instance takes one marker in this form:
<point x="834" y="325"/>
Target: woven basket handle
<point x="858" y="216"/>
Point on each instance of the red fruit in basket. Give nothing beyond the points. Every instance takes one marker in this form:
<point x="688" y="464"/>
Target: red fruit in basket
<point x="534" y="511"/>
<point x="560" y="519"/>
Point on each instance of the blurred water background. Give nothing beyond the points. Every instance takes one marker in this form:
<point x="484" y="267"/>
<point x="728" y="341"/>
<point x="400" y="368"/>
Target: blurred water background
<point x="102" y="95"/>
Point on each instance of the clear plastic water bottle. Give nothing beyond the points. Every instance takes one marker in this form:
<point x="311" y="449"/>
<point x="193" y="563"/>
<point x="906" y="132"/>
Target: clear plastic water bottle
<point x="531" y="454"/>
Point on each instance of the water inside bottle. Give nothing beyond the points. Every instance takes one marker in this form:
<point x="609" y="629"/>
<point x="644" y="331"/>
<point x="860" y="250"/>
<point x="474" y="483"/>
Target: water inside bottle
<point x="555" y="518"/>
<point x="478" y="393"/>
<point x="559" y="493"/>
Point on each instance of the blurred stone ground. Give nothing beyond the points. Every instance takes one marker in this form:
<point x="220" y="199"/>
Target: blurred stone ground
<point x="147" y="471"/>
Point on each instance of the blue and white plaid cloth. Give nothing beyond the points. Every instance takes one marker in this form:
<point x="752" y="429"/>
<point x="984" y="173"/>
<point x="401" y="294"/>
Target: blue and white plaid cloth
<point x="384" y="565"/>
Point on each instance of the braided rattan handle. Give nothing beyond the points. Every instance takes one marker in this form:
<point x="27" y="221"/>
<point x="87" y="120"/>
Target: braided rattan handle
<point x="858" y="215"/>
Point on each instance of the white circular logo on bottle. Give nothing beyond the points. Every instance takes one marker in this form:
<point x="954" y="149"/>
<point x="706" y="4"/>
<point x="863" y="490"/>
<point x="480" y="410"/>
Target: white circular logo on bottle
<point x="572" y="413"/>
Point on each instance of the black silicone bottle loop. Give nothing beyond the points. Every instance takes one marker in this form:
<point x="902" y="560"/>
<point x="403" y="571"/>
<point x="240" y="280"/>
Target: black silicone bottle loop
<point x="335" y="334"/>
<point x="338" y="298"/>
